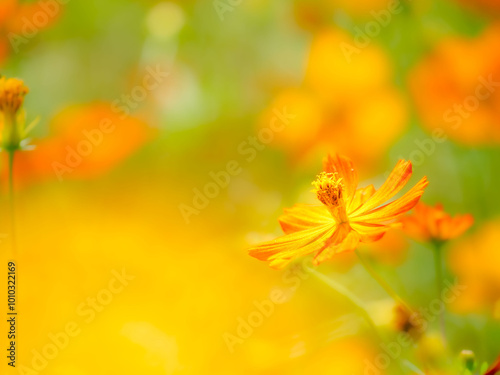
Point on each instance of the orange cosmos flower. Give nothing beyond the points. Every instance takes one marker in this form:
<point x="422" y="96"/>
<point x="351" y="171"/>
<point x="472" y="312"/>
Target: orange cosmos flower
<point x="358" y="8"/>
<point x="433" y="224"/>
<point x="475" y="261"/>
<point x="314" y="15"/>
<point x="348" y="215"/>
<point x="456" y="89"/>
<point x="344" y="96"/>
<point x="486" y="6"/>
<point x="20" y="21"/>
<point x="85" y="141"/>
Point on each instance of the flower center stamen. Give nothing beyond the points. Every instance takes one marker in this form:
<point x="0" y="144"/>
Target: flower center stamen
<point x="329" y="189"/>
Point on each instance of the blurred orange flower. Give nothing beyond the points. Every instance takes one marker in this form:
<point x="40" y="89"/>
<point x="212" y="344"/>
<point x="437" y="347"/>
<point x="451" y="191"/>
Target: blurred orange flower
<point x="86" y="141"/>
<point x="429" y="223"/>
<point x="456" y="88"/>
<point x="315" y="14"/>
<point x="348" y="215"/>
<point x="475" y="261"/>
<point x="342" y="104"/>
<point x="311" y="15"/>
<point x="21" y="21"/>
<point x="361" y="7"/>
<point x="486" y="6"/>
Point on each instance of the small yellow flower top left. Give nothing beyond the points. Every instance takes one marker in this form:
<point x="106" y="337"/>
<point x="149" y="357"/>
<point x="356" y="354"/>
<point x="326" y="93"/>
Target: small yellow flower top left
<point x="12" y="93"/>
<point x="12" y="118"/>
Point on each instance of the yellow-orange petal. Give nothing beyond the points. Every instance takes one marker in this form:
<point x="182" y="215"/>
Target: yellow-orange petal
<point x="414" y="229"/>
<point x="370" y="232"/>
<point x="460" y="225"/>
<point x="328" y="235"/>
<point x="303" y="216"/>
<point x="344" y="167"/>
<point x="433" y="223"/>
<point x="290" y="246"/>
<point x="398" y="207"/>
<point x="7" y="9"/>
<point x="348" y="243"/>
<point x="360" y="197"/>
<point x="394" y="183"/>
<point x="444" y="227"/>
<point x="16" y="23"/>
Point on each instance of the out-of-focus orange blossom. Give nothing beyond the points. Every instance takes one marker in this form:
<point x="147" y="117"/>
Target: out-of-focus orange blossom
<point x="486" y="6"/>
<point x="343" y="104"/>
<point x="7" y="8"/>
<point x="457" y="88"/>
<point x="428" y="223"/>
<point x="311" y="15"/>
<point x="362" y="7"/>
<point x="15" y="15"/>
<point x="316" y="14"/>
<point x="475" y="261"/>
<point x="85" y="141"/>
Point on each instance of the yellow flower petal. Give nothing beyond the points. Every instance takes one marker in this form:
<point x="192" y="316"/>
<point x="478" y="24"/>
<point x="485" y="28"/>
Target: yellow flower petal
<point x="398" y="207"/>
<point x="348" y="243"/>
<point x="291" y="245"/>
<point x="303" y="216"/>
<point x="360" y="197"/>
<point x="394" y="183"/>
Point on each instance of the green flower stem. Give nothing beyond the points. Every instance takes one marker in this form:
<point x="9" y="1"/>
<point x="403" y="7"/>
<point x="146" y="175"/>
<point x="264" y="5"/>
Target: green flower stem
<point x="342" y="290"/>
<point x="411" y="366"/>
<point x="362" y="310"/>
<point x="438" y="264"/>
<point x="383" y="283"/>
